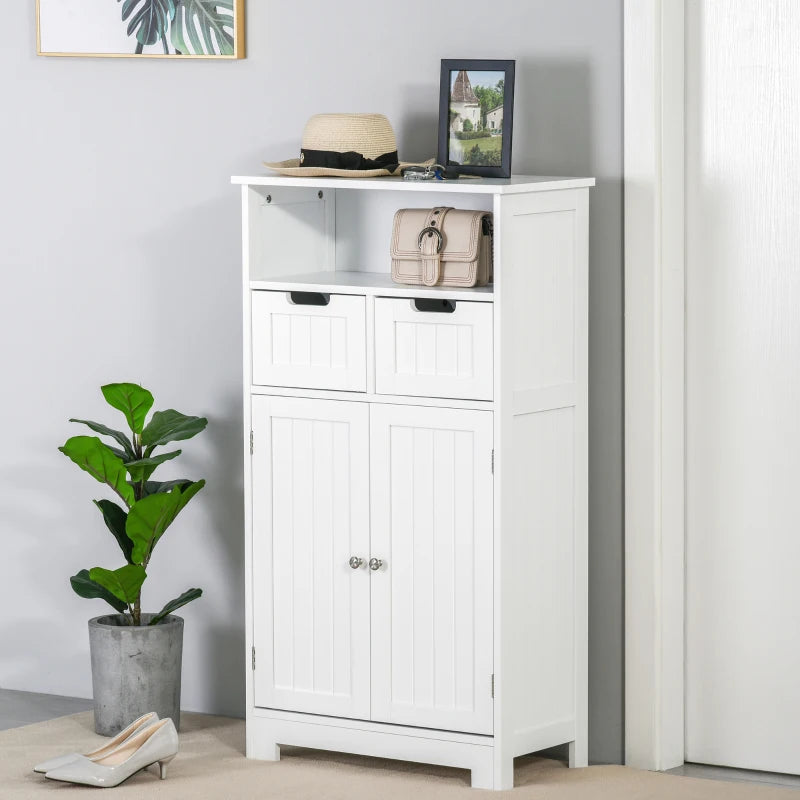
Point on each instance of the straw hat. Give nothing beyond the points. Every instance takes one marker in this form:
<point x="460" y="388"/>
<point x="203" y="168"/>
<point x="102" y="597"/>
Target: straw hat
<point x="345" y="145"/>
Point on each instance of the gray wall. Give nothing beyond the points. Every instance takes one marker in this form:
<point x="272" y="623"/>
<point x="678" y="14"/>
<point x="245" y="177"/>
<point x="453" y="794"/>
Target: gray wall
<point x="120" y="259"/>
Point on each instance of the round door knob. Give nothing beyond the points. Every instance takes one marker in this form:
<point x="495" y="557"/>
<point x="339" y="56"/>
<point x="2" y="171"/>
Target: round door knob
<point x="375" y="564"/>
<point x="355" y="562"/>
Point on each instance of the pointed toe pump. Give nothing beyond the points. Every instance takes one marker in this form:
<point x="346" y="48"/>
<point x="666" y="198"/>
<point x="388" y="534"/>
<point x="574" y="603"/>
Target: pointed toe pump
<point x="155" y="744"/>
<point x="135" y="726"/>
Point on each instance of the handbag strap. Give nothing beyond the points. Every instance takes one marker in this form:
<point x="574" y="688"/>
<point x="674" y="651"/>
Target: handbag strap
<point x="431" y="244"/>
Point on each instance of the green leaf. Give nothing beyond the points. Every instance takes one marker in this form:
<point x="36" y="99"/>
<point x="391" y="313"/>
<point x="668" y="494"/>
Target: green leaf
<point x="157" y="487"/>
<point x="119" y="436"/>
<point x="150" y="20"/>
<point x="124" y="583"/>
<point x="205" y="16"/>
<point x="143" y="468"/>
<point x="120" y="454"/>
<point x="132" y="400"/>
<point x="115" y="519"/>
<point x="90" y="454"/>
<point x="174" y="605"/>
<point x="152" y="515"/>
<point x="170" y="426"/>
<point x="84" y="586"/>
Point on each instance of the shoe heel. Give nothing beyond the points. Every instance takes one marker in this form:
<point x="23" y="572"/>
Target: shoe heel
<point x="162" y="766"/>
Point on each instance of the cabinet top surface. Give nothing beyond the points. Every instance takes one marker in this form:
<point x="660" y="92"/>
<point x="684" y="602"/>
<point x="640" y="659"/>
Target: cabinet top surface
<point x="516" y="184"/>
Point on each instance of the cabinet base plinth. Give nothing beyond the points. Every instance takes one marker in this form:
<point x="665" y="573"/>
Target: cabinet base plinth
<point x="578" y="755"/>
<point x="464" y="751"/>
<point x="491" y="766"/>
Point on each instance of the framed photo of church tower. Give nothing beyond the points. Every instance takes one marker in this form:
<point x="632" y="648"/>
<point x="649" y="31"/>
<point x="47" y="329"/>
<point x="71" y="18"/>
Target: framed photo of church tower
<point x="476" y="116"/>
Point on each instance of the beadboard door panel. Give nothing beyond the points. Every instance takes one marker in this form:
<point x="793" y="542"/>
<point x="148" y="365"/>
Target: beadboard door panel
<point x="433" y="348"/>
<point x="310" y="516"/>
<point x="297" y="343"/>
<point x="431" y="506"/>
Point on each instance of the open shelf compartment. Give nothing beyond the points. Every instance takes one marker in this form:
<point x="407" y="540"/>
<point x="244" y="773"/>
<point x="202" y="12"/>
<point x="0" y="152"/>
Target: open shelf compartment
<point x="337" y="240"/>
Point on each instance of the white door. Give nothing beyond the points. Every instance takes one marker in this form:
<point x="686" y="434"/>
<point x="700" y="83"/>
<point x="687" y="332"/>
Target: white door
<point x="431" y="510"/>
<point x="743" y="384"/>
<point x="310" y="516"/>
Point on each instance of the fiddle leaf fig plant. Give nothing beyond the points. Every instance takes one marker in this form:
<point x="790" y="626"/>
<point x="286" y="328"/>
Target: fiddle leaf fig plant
<point x="148" y="507"/>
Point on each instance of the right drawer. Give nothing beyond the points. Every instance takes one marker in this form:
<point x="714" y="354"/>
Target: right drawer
<point x="433" y="348"/>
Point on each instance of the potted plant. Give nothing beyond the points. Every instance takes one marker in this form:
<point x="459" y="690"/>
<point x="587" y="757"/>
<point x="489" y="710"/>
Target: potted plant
<point x="136" y="656"/>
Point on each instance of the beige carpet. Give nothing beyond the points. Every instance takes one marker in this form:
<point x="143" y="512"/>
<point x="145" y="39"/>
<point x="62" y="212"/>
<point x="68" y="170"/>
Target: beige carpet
<point x="211" y="765"/>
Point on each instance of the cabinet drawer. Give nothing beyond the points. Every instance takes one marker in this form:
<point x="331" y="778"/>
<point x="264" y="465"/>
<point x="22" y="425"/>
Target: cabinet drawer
<point x="309" y="340"/>
<point x="433" y="348"/>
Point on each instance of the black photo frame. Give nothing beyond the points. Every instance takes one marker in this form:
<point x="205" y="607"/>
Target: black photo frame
<point x="465" y="116"/>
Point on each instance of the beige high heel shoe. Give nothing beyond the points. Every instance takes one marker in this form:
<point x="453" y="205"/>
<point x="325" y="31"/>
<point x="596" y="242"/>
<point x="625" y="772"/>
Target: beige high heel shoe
<point x="156" y="744"/>
<point x="143" y="721"/>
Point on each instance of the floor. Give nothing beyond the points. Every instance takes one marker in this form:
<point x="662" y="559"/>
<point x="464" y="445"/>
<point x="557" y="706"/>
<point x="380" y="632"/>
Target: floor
<point x="739" y="775"/>
<point x="25" y="708"/>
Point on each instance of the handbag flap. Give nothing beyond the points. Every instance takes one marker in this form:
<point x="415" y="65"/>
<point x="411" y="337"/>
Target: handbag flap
<point x="461" y="234"/>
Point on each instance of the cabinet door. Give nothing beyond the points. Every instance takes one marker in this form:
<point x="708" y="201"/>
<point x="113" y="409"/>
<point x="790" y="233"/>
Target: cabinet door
<point x="431" y="511"/>
<point x="310" y="516"/>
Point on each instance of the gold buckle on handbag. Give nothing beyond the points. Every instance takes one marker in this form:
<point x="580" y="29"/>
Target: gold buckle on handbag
<point x="430" y="230"/>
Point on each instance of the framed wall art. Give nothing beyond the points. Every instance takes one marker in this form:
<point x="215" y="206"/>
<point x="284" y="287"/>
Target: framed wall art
<point x="476" y="116"/>
<point x="141" y="28"/>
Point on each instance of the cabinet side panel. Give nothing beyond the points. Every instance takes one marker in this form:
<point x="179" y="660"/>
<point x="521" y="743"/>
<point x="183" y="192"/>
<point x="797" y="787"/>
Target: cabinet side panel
<point x="543" y="306"/>
<point x="541" y="575"/>
<point x="541" y="378"/>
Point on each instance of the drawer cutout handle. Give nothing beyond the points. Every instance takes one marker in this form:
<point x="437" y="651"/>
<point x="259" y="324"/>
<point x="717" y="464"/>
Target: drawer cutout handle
<point x="431" y="304"/>
<point x="309" y="298"/>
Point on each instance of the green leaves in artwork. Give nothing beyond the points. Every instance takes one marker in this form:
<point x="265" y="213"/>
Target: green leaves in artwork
<point x="84" y="586"/>
<point x="149" y="19"/>
<point x="215" y="37"/>
<point x="96" y="458"/>
<point x="152" y="515"/>
<point x="193" y="27"/>
<point x="174" y="605"/>
<point x="124" y="583"/>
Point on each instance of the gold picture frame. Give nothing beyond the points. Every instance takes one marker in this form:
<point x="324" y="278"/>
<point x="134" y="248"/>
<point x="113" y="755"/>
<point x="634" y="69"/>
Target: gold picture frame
<point x="197" y="26"/>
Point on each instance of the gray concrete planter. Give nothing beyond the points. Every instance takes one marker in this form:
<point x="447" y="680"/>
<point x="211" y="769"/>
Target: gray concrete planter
<point x="135" y="670"/>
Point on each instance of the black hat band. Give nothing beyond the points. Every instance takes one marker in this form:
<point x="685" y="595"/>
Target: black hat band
<point x="330" y="159"/>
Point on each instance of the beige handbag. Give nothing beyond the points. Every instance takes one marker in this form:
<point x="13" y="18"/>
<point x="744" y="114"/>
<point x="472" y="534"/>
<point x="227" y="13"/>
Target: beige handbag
<point x="442" y="246"/>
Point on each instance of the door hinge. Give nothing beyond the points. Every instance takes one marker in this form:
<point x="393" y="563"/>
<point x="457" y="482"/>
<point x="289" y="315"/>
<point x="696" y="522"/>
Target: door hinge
<point x="492" y="684"/>
<point x="253" y="653"/>
<point x="251" y="442"/>
<point x="492" y="462"/>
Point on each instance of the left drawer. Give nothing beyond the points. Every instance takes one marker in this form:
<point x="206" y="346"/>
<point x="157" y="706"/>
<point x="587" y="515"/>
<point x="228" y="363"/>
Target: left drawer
<point x="309" y="340"/>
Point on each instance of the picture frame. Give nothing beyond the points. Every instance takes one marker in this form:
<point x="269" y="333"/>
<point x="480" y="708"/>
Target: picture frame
<point x="476" y="116"/>
<point x="178" y="29"/>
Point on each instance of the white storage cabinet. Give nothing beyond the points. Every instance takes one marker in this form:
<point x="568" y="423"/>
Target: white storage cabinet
<point x="415" y="477"/>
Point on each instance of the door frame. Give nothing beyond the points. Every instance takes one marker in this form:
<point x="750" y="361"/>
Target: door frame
<point x="655" y="382"/>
